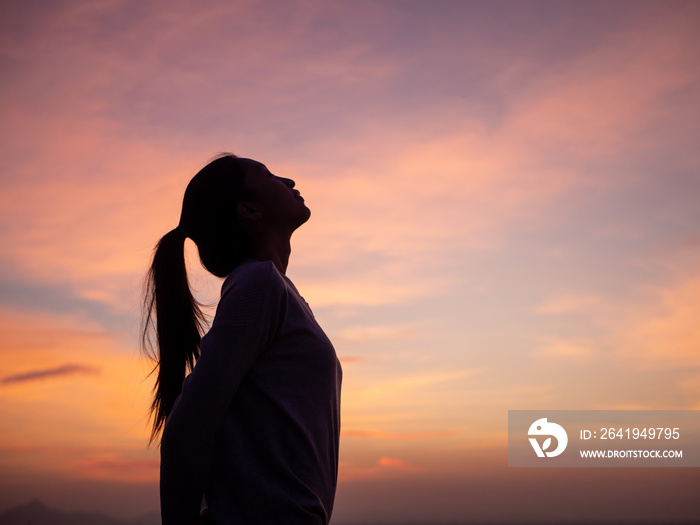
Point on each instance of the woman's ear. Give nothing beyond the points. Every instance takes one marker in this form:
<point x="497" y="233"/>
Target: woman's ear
<point x="248" y="210"/>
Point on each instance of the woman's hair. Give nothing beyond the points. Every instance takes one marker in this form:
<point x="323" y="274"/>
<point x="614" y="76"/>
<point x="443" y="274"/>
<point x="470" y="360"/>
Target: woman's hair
<point x="172" y="316"/>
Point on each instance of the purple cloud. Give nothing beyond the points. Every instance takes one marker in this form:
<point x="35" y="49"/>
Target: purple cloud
<point x="58" y="371"/>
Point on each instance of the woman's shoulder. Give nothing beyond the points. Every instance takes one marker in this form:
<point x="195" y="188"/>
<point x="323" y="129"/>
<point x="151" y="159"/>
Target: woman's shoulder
<point x="255" y="289"/>
<point x="251" y="275"/>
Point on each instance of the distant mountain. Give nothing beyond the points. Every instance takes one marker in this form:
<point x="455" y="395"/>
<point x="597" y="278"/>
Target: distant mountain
<point x="36" y="513"/>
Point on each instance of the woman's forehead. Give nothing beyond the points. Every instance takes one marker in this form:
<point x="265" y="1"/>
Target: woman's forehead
<point x="253" y="165"/>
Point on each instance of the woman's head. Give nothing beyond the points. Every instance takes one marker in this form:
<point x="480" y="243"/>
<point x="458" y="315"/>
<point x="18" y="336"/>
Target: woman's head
<point x="272" y="206"/>
<point x="231" y="203"/>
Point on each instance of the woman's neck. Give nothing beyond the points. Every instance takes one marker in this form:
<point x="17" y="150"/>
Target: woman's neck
<point x="276" y="250"/>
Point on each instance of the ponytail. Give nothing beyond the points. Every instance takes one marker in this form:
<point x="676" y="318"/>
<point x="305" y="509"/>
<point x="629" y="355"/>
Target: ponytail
<point x="174" y="319"/>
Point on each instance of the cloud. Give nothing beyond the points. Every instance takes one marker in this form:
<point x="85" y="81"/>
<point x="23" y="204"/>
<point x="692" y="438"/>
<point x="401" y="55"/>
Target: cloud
<point x="570" y="303"/>
<point x="398" y="464"/>
<point x="667" y="336"/>
<point x="400" y="436"/>
<point x="124" y="465"/>
<point x="374" y="468"/>
<point x="46" y="373"/>
<point x="415" y="406"/>
<point x="564" y="350"/>
<point x="396" y="189"/>
<point x="44" y="355"/>
<point x="415" y="382"/>
<point x="87" y="461"/>
<point x="351" y="359"/>
<point x="356" y="334"/>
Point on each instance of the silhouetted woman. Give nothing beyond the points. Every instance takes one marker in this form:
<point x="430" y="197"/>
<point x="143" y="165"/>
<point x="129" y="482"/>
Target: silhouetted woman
<point x="254" y="428"/>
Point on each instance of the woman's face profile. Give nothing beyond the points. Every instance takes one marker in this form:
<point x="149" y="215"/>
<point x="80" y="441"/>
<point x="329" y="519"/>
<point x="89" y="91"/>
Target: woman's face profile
<point x="273" y="198"/>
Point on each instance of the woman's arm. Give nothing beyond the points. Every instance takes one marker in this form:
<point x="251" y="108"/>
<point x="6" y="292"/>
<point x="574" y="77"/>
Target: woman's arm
<point x="249" y="313"/>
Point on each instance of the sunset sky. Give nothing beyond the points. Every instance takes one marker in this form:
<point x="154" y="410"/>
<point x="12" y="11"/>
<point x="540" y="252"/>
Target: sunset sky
<point x="505" y="215"/>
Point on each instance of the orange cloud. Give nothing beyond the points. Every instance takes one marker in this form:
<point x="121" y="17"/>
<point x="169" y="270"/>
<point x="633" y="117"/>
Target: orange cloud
<point x="571" y="303"/>
<point x="414" y="382"/>
<point x="399" y="464"/>
<point x="384" y="467"/>
<point x="355" y="334"/>
<point x="378" y="434"/>
<point x="565" y="350"/>
<point x="128" y="465"/>
<point x="668" y="338"/>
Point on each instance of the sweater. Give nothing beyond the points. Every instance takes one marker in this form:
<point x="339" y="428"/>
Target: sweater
<point x="256" y="428"/>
